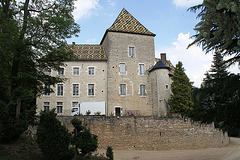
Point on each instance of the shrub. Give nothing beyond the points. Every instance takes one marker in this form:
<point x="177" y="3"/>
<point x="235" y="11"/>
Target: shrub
<point x="53" y="138"/>
<point x="10" y="128"/>
<point x="109" y="153"/>
<point x="83" y="139"/>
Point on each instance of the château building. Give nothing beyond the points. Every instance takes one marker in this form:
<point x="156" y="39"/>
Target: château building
<point x="120" y="76"/>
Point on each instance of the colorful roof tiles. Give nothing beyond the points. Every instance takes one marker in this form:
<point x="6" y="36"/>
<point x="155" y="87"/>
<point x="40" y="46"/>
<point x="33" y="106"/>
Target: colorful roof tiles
<point x="88" y="52"/>
<point x="125" y="22"/>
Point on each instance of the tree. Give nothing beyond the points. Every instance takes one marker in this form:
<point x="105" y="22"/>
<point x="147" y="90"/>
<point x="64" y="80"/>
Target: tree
<point x="218" y="98"/>
<point x="83" y="140"/>
<point x="218" y="28"/>
<point x="211" y="94"/>
<point x="181" y="99"/>
<point x="53" y="138"/>
<point x="32" y="39"/>
<point x="109" y="153"/>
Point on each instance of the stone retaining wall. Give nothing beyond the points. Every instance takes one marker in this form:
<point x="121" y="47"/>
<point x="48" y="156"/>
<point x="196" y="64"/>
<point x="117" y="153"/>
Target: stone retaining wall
<point x="147" y="133"/>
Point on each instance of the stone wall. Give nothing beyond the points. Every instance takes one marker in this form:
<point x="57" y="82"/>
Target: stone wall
<point x="117" y="45"/>
<point x="147" y="133"/>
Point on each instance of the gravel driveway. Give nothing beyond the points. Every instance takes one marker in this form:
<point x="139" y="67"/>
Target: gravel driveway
<point x="231" y="152"/>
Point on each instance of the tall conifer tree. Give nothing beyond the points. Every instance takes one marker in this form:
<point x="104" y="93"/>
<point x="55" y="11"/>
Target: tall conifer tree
<point x="181" y="99"/>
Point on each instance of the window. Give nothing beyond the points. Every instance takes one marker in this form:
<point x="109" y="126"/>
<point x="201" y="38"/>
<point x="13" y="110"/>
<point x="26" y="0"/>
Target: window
<point x="122" y="69"/>
<point x="60" y="90"/>
<point x="142" y="90"/>
<point x="76" y="71"/>
<point x="60" y="71"/>
<point x="46" y="106"/>
<point x="59" y="107"/>
<point x="91" y="71"/>
<point x="91" y="89"/>
<point x="75" y="89"/>
<point x="47" y="71"/>
<point x="46" y="90"/>
<point x="167" y="87"/>
<point x="131" y="52"/>
<point x="141" y="69"/>
<point x="74" y="104"/>
<point x="123" y="89"/>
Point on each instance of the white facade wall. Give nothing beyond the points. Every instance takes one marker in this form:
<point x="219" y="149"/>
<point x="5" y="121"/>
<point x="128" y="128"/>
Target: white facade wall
<point x="99" y="79"/>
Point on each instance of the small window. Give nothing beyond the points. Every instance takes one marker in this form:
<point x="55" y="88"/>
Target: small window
<point x="75" y="89"/>
<point x="91" y="89"/>
<point x="123" y="89"/>
<point x="142" y="90"/>
<point x="141" y="69"/>
<point x="167" y="87"/>
<point x="59" y="107"/>
<point x="74" y="104"/>
<point x="60" y="90"/>
<point x="75" y="71"/>
<point x="91" y="71"/>
<point x="131" y="52"/>
<point x="46" y="90"/>
<point x="46" y="106"/>
<point x="60" y="71"/>
<point x="122" y="69"/>
<point x="47" y="71"/>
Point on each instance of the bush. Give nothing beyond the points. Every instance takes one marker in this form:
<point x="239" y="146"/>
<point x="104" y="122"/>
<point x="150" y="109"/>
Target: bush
<point x="53" y="138"/>
<point x="109" y="153"/>
<point x="10" y="128"/>
<point x="83" y="139"/>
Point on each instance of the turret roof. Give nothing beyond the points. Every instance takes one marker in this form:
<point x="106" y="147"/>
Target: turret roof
<point x="159" y="65"/>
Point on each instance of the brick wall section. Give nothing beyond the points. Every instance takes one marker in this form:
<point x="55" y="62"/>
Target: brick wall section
<point x="147" y="133"/>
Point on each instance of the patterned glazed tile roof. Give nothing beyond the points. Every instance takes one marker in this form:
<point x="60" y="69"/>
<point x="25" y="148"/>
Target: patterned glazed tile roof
<point x="88" y="52"/>
<point x="125" y="22"/>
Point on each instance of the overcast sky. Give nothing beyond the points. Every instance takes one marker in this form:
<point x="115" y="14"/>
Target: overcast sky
<point x="168" y="19"/>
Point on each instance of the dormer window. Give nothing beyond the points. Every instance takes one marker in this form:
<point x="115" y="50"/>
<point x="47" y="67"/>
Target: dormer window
<point x="131" y="52"/>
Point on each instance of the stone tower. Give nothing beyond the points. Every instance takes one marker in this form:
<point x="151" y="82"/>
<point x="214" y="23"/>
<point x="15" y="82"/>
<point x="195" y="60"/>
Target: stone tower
<point x="130" y="50"/>
<point x="160" y="81"/>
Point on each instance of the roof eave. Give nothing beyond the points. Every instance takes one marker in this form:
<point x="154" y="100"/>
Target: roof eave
<point x="105" y="34"/>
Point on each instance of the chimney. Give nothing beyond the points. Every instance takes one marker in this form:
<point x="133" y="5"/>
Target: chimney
<point x="163" y="57"/>
<point x="73" y="43"/>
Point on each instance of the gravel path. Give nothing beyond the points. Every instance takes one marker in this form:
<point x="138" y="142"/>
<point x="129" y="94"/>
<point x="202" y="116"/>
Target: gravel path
<point x="231" y="152"/>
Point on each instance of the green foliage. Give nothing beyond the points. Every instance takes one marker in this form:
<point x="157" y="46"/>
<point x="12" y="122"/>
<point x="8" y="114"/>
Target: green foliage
<point x="109" y="153"/>
<point x="218" y="98"/>
<point x="181" y="99"/>
<point x="83" y="139"/>
<point x="218" y="28"/>
<point x="32" y="38"/>
<point x="53" y="138"/>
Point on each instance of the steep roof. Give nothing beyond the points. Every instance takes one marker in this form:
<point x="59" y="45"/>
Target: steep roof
<point x="159" y="65"/>
<point x="88" y="52"/>
<point x="125" y="22"/>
